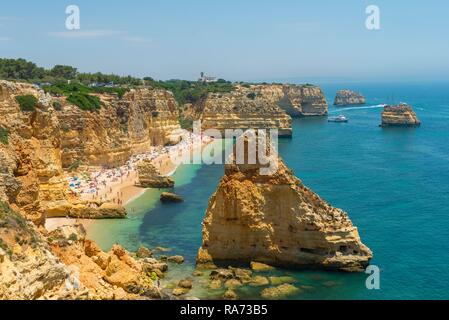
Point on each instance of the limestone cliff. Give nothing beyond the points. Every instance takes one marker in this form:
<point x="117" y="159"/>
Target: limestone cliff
<point x="401" y="115"/>
<point x="30" y="162"/>
<point x="258" y="106"/>
<point x="275" y="219"/>
<point x="150" y="177"/>
<point x="237" y="110"/>
<point x="122" y="127"/>
<point x="42" y="142"/>
<point x="65" y="265"/>
<point x="348" y="97"/>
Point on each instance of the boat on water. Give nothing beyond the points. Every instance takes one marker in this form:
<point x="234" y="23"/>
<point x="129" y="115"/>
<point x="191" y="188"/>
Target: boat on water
<point x="340" y="118"/>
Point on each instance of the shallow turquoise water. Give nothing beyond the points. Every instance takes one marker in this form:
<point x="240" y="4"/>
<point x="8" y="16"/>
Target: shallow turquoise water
<point x="394" y="184"/>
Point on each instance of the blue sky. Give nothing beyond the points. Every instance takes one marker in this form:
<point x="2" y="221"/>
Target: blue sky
<point x="236" y="40"/>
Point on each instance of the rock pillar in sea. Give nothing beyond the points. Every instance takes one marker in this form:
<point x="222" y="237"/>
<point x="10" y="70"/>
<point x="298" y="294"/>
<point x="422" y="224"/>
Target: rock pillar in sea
<point x="275" y="219"/>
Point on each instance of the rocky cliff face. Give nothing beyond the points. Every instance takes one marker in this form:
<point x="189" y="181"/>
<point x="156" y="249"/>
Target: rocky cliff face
<point x="31" y="161"/>
<point x="275" y="219"/>
<point x="399" y="116"/>
<point x="237" y="110"/>
<point x="150" y="177"/>
<point x="122" y="127"/>
<point x="259" y="106"/>
<point x="28" y="268"/>
<point x="65" y="265"/>
<point x="348" y="97"/>
<point x="42" y="142"/>
<point x="303" y="101"/>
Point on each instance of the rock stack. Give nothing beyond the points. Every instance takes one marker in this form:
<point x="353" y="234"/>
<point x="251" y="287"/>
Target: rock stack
<point x="275" y="219"/>
<point x="348" y="98"/>
<point x="150" y="177"/>
<point x="401" y="115"/>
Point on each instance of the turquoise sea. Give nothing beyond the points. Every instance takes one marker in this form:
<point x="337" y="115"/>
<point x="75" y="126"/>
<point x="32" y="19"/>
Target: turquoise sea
<point x="394" y="184"/>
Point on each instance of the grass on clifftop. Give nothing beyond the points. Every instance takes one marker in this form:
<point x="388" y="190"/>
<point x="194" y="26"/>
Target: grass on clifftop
<point x="27" y="102"/>
<point x="192" y="91"/>
<point x="4" y="135"/>
<point x="84" y="101"/>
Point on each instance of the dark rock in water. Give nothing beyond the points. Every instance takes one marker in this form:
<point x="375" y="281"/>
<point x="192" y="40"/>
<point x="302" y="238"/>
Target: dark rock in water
<point x="348" y="97"/>
<point x="401" y="115"/>
<point x="171" y="197"/>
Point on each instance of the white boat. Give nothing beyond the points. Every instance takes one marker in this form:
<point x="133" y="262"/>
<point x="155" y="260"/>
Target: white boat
<point x="340" y="118"/>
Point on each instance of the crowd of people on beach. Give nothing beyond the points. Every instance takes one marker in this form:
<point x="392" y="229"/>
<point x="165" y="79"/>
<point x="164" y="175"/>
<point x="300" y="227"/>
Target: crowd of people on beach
<point x="104" y="184"/>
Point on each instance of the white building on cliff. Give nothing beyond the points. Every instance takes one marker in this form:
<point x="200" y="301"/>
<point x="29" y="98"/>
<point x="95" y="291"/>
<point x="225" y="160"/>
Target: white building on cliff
<point x="207" y="79"/>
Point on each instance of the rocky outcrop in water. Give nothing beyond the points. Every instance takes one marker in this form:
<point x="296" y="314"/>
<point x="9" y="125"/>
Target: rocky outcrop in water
<point x="275" y="219"/>
<point x="348" y="98"/>
<point x="401" y="115"/>
<point x="122" y="128"/>
<point x="150" y="177"/>
<point x="168" y="197"/>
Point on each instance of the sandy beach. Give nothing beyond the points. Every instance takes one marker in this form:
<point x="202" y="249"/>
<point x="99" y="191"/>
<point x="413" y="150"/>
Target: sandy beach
<point x="118" y="185"/>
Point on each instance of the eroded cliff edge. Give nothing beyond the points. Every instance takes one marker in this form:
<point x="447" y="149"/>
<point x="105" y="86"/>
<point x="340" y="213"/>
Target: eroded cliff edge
<point x="268" y="106"/>
<point x="40" y="143"/>
<point x="275" y="219"/>
<point x="401" y="115"/>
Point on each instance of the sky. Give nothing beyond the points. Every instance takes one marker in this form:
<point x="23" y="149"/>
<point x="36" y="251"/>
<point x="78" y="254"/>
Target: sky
<point x="247" y="40"/>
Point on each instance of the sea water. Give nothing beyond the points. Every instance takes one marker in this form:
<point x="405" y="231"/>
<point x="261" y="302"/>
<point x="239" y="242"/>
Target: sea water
<point x="393" y="182"/>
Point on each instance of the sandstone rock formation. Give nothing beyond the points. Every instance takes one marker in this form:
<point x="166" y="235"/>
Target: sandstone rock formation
<point x="28" y="268"/>
<point x="31" y="167"/>
<point x="348" y="97"/>
<point x="41" y="143"/>
<point x="167" y="197"/>
<point x="275" y="219"/>
<point x="108" y="276"/>
<point x="258" y="107"/>
<point x="401" y="115"/>
<point x="235" y="110"/>
<point x="122" y="127"/>
<point x="65" y="265"/>
<point x="150" y="177"/>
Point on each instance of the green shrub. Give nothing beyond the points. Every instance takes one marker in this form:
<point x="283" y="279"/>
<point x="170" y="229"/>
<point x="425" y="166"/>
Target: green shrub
<point x="85" y="101"/>
<point x="251" y="96"/>
<point x="57" y="105"/>
<point x="4" y="135"/>
<point x="185" y="123"/>
<point x="27" y="102"/>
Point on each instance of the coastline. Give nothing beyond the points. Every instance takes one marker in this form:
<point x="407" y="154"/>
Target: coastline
<point x="124" y="190"/>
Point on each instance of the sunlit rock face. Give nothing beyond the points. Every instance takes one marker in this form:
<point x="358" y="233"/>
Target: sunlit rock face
<point x="275" y="219"/>
<point x="43" y="142"/>
<point x="348" y="98"/>
<point x="123" y="127"/>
